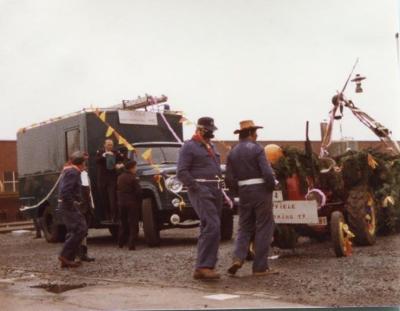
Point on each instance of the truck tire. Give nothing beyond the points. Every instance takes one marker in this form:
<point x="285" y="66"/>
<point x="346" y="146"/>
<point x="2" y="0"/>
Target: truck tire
<point x="114" y="232"/>
<point x="338" y="236"/>
<point x="285" y="237"/>
<point x="150" y="225"/>
<point x="53" y="233"/>
<point x="361" y="216"/>
<point x="226" y="224"/>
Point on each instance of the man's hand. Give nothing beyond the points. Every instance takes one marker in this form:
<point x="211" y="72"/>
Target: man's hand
<point x="119" y="166"/>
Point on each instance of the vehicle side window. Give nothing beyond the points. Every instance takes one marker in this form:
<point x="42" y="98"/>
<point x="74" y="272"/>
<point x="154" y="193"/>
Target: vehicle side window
<point x="72" y="142"/>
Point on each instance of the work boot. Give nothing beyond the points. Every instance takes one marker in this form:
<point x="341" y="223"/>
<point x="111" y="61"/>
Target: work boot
<point x="83" y="256"/>
<point x="236" y="265"/>
<point x="65" y="263"/>
<point x="205" y="274"/>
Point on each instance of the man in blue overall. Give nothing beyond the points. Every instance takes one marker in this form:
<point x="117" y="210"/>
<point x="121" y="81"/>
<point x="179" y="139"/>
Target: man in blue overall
<point x="69" y="198"/>
<point x="199" y="169"/>
<point x="250" y="175"/>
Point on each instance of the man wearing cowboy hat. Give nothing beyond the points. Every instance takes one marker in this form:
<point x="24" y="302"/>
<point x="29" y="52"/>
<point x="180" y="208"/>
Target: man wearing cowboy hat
<point x="199" y="169"/>
<point x="250" y="175"/>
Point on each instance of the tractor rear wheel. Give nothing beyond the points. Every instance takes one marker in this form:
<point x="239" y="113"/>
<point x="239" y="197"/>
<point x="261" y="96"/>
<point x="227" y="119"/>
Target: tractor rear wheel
<point x="361" y="216"/>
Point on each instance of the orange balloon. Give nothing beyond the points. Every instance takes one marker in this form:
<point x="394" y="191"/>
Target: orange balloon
<point x="273" y="153"/>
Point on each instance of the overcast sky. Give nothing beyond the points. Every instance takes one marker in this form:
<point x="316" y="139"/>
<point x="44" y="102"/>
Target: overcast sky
<point x="277" y="62"/>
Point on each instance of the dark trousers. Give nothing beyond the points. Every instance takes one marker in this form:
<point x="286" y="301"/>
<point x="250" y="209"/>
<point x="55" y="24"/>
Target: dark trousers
<point x="77" y="230"/>
<point x="108" y="194"/>
<point x="255" y="220"/>
<point x="129" y="224"/>
<point x="207" y="203"/>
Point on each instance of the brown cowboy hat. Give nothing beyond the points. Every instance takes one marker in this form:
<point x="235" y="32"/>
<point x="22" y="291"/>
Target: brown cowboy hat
<point x="247" y="125"/>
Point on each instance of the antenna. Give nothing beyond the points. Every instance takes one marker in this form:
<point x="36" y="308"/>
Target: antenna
<point x="351" y="73"/>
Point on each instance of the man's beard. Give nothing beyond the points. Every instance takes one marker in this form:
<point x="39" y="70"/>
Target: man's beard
<point x="208" y="135"/>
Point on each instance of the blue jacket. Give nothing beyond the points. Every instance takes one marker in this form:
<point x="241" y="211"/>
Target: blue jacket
<point x="195" y="162"/>
<point x="69" y="189"/>
<point x="247" y="160"/>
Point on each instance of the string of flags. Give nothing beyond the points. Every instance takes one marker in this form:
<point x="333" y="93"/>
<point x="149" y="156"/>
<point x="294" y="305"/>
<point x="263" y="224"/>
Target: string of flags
<point x="147" y="155"/>
<point x="111" y="131"/>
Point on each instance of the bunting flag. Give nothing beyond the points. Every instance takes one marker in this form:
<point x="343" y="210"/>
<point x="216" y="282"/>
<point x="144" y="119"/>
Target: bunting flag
<point x="121" y="140"/>
<point x="102" y="116"/>
<point x="129" y="146"/>
<point x="147" y="155"/>
<point x="185" y="121"/>
<point x="110" y="131"/>
<point x="372" y="162"/>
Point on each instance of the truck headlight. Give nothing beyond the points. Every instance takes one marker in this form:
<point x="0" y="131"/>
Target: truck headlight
<point x="173" y="184"/>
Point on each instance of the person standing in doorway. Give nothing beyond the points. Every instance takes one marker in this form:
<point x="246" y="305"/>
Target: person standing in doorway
<point x="106" y="161"/>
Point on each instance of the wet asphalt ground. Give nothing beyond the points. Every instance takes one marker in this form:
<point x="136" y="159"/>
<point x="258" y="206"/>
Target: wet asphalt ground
<point x="310" y="275"/>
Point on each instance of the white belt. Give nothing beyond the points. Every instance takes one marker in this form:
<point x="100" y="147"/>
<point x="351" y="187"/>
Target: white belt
<point x="253" y="181"/>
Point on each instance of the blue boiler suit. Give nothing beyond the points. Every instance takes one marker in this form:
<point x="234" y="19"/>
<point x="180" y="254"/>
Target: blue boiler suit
<point x="247" y="161"/>
<point x="195" y="162"/>
<point x="69" y="196"/>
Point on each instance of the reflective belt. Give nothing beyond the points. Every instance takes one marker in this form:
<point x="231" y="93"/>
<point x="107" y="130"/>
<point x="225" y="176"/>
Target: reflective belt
<point x="219" y="181"/>
<point x="208" y="180"/>
<point x="249" y="182"/>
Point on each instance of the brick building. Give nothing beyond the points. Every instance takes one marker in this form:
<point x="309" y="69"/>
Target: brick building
<point x="223" y="146"/>
<point x="9" y="200"/>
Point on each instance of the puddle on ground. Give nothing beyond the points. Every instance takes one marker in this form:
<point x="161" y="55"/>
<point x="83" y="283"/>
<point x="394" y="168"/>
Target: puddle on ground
<point x="59" y="288"/>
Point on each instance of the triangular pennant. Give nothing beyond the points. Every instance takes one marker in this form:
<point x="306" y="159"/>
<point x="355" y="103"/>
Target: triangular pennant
<point x="372" y="162"/>
<point x="121" y="140"/>
<point x="129" y="147"/>
<point x="147" y="154"/>
<point x="102" y="116"/>
<point x="110" y="131"/>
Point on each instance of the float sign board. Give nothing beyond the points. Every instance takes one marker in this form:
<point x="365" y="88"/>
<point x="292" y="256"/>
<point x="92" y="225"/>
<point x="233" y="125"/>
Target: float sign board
<point x="137" y="117"/>
<point x="294" y="212"/>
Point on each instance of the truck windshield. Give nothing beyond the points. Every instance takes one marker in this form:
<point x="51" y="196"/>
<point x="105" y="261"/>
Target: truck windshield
<point x="159" y="155"/>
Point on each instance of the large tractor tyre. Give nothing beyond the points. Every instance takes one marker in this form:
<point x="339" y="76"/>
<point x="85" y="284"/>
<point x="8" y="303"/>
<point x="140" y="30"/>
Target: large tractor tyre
<point x="53" y="233"/>
<point x="361" y="216"/>
<point x="285" y="237"/>
<point x="226" y="224"/>
<point x="339" y="235"/>
<point x="150" y="225"/>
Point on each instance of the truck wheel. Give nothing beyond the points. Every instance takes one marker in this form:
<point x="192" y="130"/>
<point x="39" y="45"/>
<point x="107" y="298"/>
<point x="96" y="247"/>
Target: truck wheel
<point x="52" y="232"/>
<point x="226" y="224"/>
<point x="150" y="226"/>
<point x="339" y="235"/>
<point x="285" y="237"/>
<point x="361" y="216"/>
<point x="114" y="232"/>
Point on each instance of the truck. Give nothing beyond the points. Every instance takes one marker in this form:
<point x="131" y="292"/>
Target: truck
<point x="146" y="124"/>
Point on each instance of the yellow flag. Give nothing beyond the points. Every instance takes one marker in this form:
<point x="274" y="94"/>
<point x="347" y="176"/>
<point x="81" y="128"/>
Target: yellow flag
<point x="102" y="116"/>
<point x="147" y="154"/>
<point x="121" y="140"/>
<point x="371" y="161"/>
<point x="110" y="131"/>
<point x="129" y="146"/>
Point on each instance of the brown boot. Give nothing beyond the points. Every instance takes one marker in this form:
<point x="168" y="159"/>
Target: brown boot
<point x="205" y="274"/>
<point x="65" y="263"/>
<point x="236" y="265"/>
